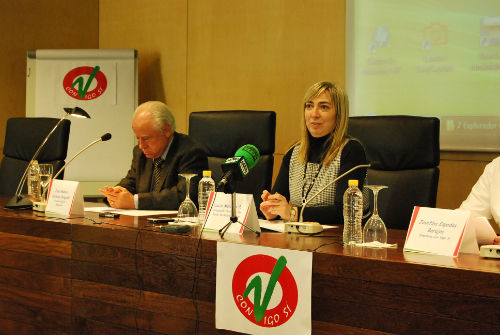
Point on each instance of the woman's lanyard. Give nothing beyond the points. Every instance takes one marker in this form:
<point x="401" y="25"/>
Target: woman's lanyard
<point x="305" y="194"/>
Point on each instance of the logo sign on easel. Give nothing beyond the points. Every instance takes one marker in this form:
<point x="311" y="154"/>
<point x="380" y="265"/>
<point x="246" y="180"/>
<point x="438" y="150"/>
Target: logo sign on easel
<point x="65" y="198"/>
<point x="258" y="289"/>
<point x="440" y="231"/>
<point x="85" y="83"/>
<point x="219" y="209"/>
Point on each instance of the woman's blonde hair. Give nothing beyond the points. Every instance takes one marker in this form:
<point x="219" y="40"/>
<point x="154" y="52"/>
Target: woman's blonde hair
<point x="337" y="138"/>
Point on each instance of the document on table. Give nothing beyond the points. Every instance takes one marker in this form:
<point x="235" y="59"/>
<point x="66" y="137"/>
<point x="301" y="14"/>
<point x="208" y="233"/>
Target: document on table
<point x="276" y="225"/>
<point x="131" y="212"/>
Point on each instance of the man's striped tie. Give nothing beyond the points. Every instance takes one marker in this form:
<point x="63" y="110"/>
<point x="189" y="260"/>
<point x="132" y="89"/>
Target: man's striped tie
<point x="156" y="172"/>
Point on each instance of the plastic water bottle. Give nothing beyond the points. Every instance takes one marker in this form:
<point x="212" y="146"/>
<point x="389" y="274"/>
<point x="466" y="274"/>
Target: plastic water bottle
<point x="353" y="213"/>
<point x="34" y="182"/>
<point x="205" y="187"/>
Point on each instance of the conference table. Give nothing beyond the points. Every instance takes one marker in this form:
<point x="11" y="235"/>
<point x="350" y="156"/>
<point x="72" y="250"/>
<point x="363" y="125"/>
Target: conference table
<point x="93" y="275"/>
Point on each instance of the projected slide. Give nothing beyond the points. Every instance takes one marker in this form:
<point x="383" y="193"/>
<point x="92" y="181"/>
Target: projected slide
<point x="429" y="58"/>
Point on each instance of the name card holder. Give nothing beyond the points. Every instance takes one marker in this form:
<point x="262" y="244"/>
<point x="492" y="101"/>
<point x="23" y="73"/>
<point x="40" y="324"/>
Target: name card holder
<point x="441" y="231"/>
<point x="65" y="198"/>
<point x="219" y="208"/>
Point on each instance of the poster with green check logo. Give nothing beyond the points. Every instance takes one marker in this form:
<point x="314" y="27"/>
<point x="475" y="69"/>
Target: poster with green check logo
<point x="258" y="289"/>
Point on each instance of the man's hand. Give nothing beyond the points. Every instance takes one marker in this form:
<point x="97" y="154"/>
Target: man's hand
<point x="119" y="197"/>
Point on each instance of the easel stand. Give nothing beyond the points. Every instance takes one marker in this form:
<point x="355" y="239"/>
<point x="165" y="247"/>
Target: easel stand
<point x="234" y="219"/>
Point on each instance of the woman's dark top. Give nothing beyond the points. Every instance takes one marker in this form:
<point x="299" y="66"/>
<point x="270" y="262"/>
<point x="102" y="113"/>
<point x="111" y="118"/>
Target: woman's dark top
<point x="297" y="181"/>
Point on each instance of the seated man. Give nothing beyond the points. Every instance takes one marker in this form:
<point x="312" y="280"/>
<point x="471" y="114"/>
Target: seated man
<point x="484" y="198"/>
<point x="153" y="180"/>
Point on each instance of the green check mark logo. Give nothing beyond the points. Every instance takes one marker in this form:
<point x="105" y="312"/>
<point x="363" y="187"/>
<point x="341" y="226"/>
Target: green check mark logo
<point x="256" y="284"/>
<point x="79" y="81"/>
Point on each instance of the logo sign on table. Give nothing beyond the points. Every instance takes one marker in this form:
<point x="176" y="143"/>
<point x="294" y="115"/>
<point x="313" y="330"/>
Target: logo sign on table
<point x="257" y="289"/>
<point x="440" y="231"/>
<point x="65" y="198"/>
<point x="219" y="209"/>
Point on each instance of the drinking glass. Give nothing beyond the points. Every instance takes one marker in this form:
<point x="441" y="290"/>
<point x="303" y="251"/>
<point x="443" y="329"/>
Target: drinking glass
<point x="187" y="210"/>
<point x="374" y="229"/>
<point x="45" y="171"/>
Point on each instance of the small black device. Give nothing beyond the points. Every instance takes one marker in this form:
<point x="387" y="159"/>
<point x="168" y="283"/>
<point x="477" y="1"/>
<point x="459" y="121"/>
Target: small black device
<point x="160" y="219"/>
<point x="176" y="229"/>
<point x="109" y="215"/>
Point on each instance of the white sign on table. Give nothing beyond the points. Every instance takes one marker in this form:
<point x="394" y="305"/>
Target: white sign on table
<point x="65" y="198"/>
<point x="440" y="231"/>
<point x="219" y="210"/>
<point x="262" y="290"/>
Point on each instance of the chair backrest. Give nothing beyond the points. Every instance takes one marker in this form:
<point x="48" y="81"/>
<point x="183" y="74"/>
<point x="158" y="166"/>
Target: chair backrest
<point x="23" y="136"/>
<point x="223" y="132"/>
<point x="405" y="150"/>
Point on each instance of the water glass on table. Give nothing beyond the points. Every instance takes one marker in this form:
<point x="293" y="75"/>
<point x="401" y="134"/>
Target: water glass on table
<point x="45" y="172"/>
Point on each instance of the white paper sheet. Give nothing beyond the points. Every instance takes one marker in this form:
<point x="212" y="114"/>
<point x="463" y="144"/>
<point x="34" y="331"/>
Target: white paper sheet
<point x="131" y="212"/>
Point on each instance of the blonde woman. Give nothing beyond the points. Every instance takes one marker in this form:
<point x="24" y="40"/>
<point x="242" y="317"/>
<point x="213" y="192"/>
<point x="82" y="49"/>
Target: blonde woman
<point x="323" y="153"/>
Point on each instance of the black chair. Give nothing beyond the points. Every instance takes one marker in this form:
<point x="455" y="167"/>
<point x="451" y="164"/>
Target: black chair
<point x="223" y="132"/>
<point x="23" y="136"/>
<point x="404" y="151"/>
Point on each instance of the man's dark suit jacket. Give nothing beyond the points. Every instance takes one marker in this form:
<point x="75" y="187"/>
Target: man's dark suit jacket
<point x="184" y="156"/>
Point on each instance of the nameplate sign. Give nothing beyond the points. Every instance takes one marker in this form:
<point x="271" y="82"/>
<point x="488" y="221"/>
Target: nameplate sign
<point x="65" y="198"/>
<point x="440" y="231"/>
<point x="219" y="213"/>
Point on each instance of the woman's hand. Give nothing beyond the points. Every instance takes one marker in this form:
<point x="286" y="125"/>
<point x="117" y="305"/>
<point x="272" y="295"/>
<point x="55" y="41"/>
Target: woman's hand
<point x="274" y="205"/>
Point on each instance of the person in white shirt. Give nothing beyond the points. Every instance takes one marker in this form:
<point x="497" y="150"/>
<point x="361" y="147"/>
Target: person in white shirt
<point x="484" y="198"/>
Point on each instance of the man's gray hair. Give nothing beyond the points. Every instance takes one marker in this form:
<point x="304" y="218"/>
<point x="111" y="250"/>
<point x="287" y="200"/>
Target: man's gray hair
<point x="160" y="112"/>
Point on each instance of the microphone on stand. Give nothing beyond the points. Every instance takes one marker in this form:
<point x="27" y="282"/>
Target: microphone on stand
<point x="39" y="206"/>
<point x="315" y="227"/>
<point x="237" y="167"/>
<point x="103" y="138"/>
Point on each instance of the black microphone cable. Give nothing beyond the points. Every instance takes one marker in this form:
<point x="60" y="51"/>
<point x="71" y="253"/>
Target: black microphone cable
<point x="325" y="244"/>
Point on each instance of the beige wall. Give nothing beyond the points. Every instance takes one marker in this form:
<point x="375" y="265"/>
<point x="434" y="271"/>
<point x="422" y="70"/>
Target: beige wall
<point x="206" y="55"/>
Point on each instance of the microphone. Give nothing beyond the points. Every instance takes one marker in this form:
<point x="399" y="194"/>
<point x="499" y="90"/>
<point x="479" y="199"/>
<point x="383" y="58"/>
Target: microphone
<point x="238" y="167"/>
<point x="103" y="138"/>
<point x="315" y="227"/>
<point x="330" y="183"/>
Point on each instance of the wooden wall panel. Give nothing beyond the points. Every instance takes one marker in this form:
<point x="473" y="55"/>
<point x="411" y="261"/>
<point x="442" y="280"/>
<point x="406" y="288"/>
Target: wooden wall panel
<point x="206" y="54"/>
<point x="458" y="173"/>
<point x="263" y="55"/>
<point x="34" y="24"/>
<point x="157" y="29"/>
